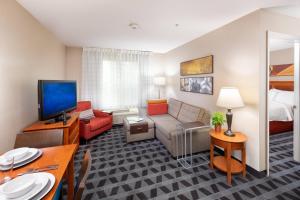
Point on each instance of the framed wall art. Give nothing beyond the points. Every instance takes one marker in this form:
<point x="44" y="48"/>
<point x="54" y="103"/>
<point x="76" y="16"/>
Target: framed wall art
<point x="282" y="70"/>
<point x="202" y="85"/>
<point x="197" y="66"/>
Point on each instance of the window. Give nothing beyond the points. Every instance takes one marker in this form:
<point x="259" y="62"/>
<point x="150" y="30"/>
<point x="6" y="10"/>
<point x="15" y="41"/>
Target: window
<point x="114" y="79"/>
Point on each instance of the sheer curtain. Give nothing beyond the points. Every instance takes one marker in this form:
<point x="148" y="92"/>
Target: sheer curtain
<point x="114" y="79"/>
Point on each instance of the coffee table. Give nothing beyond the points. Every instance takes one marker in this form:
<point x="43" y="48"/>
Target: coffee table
<point x="137" y="131"/>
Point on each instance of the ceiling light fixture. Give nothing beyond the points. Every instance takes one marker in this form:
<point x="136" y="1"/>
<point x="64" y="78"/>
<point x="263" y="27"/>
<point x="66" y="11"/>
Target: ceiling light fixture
<point x="133" y="26"/>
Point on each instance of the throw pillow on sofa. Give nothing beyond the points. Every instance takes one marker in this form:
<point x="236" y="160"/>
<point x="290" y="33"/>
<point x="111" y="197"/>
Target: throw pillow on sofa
<point x="157" y="109"/>
<point x="157" y="106"/>
<point x="86" y="115"/>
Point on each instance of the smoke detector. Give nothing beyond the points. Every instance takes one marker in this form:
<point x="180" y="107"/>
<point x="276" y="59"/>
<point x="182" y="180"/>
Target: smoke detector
<point x="133" y="26"/>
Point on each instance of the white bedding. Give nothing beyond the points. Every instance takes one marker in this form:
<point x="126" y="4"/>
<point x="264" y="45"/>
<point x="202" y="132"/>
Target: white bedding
<point x="280" y="112"/>
<point x="281" y="105"/>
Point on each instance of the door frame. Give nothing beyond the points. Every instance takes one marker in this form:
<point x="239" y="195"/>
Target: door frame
<point x="296" y="133"/>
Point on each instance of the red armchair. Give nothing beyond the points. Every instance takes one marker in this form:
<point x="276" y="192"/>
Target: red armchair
<point x="95" y="126"/>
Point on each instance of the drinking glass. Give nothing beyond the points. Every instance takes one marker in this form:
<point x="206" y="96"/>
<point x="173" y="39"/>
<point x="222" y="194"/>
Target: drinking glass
<point x="8" y="174"/>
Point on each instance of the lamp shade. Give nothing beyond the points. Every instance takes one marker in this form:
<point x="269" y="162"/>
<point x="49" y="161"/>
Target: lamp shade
<point x="229" y="97"/>
<point x="160" y="80"/>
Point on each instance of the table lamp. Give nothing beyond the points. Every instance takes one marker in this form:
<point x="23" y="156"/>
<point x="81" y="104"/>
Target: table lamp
<point x="159" y="81"/>
<point x="229" y="98"/>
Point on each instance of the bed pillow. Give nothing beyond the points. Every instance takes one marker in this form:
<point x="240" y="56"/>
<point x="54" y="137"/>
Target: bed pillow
<point x="272" y="94"/>
<point x="285" y="97"/>
<point x="86" y="115"/>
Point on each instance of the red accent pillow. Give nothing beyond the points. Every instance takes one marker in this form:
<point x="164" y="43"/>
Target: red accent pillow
<point x="157" y="109"/>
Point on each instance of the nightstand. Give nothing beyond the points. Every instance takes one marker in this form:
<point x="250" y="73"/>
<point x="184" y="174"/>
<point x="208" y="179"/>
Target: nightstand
<point x="226" y="163"/>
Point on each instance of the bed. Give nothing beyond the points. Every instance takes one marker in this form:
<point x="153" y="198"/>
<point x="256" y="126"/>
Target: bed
<point x="281" y="97"/>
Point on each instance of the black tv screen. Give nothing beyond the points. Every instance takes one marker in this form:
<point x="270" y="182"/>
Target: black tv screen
<point x="55" y="97"/>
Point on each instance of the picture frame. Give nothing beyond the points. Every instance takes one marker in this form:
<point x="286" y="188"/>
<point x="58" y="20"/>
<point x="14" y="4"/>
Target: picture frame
<point x="197" y="66"/>
<point x="201" y="85"/>
<point x="282" y="70"/>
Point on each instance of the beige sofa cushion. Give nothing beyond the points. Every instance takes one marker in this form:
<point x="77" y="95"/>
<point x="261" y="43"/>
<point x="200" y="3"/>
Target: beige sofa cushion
<point x="204" y="116"/>
<point x="166" y="124"/>
<point x="188" y="113"/>
<point x="174" y="107"/>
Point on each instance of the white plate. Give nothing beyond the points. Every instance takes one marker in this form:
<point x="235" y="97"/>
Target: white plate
<point x="31" y="153"/>
<point x="17" y="154"/>
<point x="48" y="187"/>
<point x="44" y="183"/>
<point x="29" y="160"/>
<point x="18" y="186"/>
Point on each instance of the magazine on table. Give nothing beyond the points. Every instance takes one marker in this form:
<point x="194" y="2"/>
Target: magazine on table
<point x="134" y="119"/>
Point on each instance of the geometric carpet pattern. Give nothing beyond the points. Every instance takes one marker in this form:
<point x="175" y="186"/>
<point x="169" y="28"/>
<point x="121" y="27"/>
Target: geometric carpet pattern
<point x="145" y="170"/>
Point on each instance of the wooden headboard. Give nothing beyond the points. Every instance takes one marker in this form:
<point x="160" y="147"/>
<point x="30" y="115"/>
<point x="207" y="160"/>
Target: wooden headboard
<point x="282" y="85"/>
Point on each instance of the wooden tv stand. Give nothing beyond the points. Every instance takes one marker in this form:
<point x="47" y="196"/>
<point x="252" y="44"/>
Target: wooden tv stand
<point x="71" y="129"/>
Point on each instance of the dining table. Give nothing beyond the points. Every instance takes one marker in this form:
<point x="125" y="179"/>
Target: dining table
<point x="63" y="156"/>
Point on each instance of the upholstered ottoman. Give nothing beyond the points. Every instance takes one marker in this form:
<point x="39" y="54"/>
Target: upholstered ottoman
<point x="136" y="131"/>
<point x="120" y="115"/>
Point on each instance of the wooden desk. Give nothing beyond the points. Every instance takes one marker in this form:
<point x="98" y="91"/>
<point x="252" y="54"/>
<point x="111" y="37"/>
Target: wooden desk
<point x="61" y="155"/>
<point x="71" y="129"/>
<point x="225" y="163"/>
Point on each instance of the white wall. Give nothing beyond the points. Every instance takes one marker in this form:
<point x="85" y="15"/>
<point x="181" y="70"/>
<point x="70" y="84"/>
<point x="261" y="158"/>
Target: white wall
<point x="28" y="52"/>
<point x="235" y="48"/>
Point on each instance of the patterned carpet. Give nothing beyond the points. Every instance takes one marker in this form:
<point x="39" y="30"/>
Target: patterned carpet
<point x="145" y="170"/>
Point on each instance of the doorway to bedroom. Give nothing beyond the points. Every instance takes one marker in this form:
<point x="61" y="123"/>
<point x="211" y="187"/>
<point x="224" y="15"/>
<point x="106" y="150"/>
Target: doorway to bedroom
<point x="283" y="113"/>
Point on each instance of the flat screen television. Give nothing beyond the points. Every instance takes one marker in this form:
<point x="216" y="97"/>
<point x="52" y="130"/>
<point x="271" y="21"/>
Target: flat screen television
<point x="56" y="97"/>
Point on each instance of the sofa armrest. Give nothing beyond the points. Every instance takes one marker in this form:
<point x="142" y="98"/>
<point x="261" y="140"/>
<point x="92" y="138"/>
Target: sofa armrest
<point x="99" y="113"/>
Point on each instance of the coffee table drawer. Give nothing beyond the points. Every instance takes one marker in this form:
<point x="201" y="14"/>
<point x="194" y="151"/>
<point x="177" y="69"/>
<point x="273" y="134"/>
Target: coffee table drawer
<point x="138" y="128"/>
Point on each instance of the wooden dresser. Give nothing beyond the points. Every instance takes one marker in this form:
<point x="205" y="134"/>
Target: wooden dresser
<point x="71" y="129"/>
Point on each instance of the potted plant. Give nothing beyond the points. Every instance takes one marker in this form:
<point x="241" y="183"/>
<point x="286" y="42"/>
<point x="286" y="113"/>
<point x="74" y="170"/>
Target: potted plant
<point x="218" y="120"/>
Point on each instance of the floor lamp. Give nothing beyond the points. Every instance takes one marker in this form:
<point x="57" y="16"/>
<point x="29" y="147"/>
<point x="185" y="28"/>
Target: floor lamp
<point x="159" y="81"/>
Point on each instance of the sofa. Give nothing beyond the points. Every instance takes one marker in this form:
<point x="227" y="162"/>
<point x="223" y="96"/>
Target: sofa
<point x="95" y="126"/>
<point x="166" y="126"/>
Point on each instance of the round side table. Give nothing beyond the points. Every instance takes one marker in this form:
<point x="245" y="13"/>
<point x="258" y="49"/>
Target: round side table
<point x="225" y="163"/>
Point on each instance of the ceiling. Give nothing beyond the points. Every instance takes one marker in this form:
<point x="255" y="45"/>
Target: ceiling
<point x="104" y="23"/>
<point x="292" y="11"/>
<point x="276" y="44"/>
<point x="279" y="41"/>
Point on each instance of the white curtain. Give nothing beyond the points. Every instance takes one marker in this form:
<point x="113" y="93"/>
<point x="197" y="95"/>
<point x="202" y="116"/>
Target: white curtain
<point x="114" y="79"/>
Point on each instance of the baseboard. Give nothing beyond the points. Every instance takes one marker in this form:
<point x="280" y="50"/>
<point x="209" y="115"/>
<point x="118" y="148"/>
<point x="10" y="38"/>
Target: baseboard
<point x="254" y="172"/>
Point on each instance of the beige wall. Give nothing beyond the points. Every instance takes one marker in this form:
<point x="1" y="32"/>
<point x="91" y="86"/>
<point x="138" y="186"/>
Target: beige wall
<point x="28" y="52"/>
<point x="74" y="62"/>
<point x="282" y="56"/>
<point x="73" y="66"/>
<point x="235" y="48"/>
